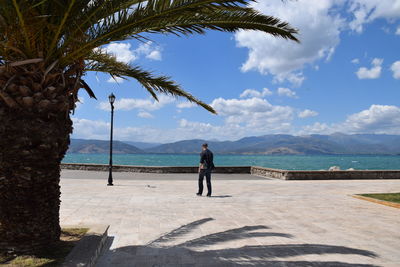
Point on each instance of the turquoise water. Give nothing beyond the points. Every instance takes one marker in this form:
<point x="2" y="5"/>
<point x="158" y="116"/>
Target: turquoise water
<point x="288" y="162"/>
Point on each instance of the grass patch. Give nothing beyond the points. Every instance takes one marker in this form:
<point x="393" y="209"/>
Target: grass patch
<point x="391" y="197"/>
<point x="48" y="257"/>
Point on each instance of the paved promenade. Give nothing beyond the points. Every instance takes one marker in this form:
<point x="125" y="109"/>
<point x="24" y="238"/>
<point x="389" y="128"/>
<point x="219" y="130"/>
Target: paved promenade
<point x="156" y="220"/>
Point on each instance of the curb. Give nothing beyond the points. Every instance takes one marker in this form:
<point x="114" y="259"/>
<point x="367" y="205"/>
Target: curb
<point x="378" y="201"/>
<point x="88" y="249"/>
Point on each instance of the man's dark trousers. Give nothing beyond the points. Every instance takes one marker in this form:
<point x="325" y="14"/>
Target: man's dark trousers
<point x="207" y="173"/>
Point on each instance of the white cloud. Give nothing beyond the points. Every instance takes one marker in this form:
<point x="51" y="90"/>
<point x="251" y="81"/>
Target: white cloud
<point x="366" y="11"/>
<point x="316" y="128"/>
<point x="373" y="73"/>
<point x="186" y="104"/>
<point x="250" y="93"/>
<point x="254" y="113"/>
<point x="89" y="129"/>
<point x="147" y="104"/>
<point x="396" y="69"/>
<point x="255" y="93"/>
<point x="115" y="80"/>
<point x="378" y="119"/>
<point x="149" y="51"/>
<point x="286" y="92"/>
<point x="266" y="92"/>
<point x="155" y="55"/>
<point x="307" y="113"/>
<point x="320" y="24"/>
<point x="258" y="118"/>
<point x="398" y="30"/>
<point x="319" y="35"/>
<point x="122" y="51"/>
<point x="377" y="61"/>
<point x="78" y="104"/>
<point x="250" y="115"/>
<point x="386" y="30"/>
<point x="145" y="115"/>
<point x="201" y="130"/>
<point x="355" y="61"/>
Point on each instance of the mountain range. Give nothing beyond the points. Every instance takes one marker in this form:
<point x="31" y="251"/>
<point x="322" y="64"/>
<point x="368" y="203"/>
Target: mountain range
<point x="279" y="144"/>
<point x="84" y="146"/>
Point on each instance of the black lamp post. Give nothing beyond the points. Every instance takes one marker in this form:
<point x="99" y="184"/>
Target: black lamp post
<point x="111" y="98"/>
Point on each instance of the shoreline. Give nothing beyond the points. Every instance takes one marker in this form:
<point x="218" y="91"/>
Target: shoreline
<point x="283" y="162"/>
<point x="253" y="170"/>
<point x="243" y="154"/>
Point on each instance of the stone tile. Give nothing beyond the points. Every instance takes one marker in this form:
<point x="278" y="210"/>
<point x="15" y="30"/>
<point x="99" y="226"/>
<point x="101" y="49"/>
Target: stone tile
<point x="263" y="223"/>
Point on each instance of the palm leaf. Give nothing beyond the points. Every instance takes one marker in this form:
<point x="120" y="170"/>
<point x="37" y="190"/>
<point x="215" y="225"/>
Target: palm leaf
<point x="179" y="17"/>
<point x="22" y="25"/>
<point x="68" y="31"/>
<point x="102" y="62"/>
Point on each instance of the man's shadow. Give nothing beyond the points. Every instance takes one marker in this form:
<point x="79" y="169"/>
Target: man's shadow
<point x="222" y="196"/>
<point x="170" y="250"/>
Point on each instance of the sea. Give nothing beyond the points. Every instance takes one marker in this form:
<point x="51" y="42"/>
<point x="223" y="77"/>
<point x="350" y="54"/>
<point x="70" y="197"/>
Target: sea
<point x="286" y="162"/>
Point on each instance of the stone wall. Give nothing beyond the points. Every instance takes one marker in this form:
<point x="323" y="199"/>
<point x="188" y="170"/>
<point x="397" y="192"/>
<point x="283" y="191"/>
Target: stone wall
<point x="268" y="172"/>
<point x="343" y="175"/>
<point x="325" y="175"/>
<point x="152" y="169"/>
<point x="254" y="170"/>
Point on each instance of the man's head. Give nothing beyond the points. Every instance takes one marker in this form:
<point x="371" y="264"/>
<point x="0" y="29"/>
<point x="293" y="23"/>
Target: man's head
<point x="204" y="146"/>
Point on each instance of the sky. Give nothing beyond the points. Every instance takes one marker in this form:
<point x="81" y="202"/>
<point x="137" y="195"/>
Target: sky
<point x="344" y="77"/>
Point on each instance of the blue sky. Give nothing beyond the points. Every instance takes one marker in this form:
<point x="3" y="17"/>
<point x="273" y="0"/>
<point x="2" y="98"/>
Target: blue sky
<point x="343" y="77"/>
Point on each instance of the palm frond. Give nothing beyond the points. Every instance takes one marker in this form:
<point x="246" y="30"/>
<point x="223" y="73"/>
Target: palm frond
<point x="102" y="62"/>
<point x="180" y="17"/>
<point x="68" y="31"/>
<point x="22" y="24"/>
<point x="88" y="89"/>
<point x="60" y="26"/>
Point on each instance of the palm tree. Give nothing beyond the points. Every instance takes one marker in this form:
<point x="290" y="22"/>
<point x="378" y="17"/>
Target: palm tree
<point x="46" y="47"/>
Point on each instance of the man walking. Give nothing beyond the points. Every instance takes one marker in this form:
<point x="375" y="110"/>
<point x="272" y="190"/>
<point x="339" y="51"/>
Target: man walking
<point x="205" y="168"/>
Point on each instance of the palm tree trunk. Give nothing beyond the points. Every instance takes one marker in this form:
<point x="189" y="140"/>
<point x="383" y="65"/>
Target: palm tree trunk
<point x="33" y="140"/>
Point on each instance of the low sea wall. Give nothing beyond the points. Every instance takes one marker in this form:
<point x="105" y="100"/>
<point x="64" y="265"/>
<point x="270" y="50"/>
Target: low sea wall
<point x="254" y="170"/>
<point x="268" y="172"/>
<point x="325" y="175"/>
<point x="152" y="169"/>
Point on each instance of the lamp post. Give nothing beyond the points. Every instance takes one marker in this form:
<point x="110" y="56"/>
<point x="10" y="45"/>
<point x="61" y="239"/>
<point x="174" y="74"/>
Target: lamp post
<point x="111" y="98"/>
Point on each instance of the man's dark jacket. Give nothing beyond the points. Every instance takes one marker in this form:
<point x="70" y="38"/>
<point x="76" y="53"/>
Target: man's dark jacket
<point x="207" y="158"/>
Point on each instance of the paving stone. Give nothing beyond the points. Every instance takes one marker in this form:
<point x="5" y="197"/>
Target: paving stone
<point x="249" y="222"/>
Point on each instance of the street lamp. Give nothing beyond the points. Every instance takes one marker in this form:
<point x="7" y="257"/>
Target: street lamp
<point x="111" y="98"/>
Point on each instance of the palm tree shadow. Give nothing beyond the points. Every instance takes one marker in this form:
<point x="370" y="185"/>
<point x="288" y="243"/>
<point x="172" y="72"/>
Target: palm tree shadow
<point x="178" y="232"/>
<point x="194" y="252"/>
<point x="230" y="235"/>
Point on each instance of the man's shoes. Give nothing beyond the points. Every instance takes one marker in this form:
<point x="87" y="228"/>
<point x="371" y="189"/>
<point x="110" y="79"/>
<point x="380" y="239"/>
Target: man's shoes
<point x="208" y="195"/>
<point x="198" y="194"/>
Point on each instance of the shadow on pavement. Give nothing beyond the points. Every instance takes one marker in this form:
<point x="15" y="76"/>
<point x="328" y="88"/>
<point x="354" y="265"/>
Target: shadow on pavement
<point x="185" y="229"/>
<point x="231" y="235"/>
<point x="194" y="252"/>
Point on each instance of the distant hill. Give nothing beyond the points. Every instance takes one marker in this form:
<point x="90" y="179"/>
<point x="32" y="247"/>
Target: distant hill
<point x="142" y="145"/>
<point x="101" y="147"/>
<point x="287" y="144"/>
<point x="278" y="144"/>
